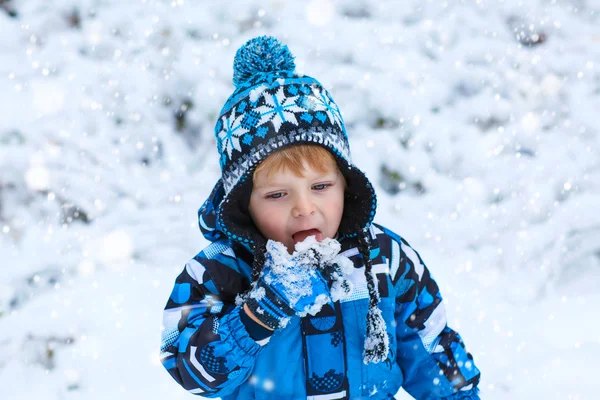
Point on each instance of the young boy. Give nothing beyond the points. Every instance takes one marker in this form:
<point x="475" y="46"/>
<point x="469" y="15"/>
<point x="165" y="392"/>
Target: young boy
<point x="300" y="295"/>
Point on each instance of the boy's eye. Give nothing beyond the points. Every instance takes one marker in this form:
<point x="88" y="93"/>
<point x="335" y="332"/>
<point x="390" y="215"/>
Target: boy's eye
<point x="274" y="196"/>
<point x="321" y="186"/>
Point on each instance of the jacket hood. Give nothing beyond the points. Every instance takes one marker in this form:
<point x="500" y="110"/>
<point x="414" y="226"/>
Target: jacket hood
<point x="273" y="107"/>
<point x="207" y="215"/>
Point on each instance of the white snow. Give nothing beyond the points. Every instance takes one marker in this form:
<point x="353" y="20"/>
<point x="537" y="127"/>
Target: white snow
<point x="371" y="342"/>
<point x="341" y="286"/>
<point x="477" y="122"/>
<point x="297" y="274"/>
<point x="257" y="294"/>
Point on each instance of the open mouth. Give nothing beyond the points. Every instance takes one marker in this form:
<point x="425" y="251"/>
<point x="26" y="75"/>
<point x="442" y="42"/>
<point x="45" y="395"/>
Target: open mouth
<point x="301" y="235"/>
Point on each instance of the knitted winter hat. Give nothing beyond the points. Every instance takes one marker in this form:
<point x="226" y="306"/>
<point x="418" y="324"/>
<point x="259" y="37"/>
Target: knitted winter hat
<point x="273" y="107"/>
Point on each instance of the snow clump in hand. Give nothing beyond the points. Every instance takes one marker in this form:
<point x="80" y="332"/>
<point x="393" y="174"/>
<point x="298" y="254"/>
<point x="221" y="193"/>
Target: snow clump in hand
<point x="335" y="267"/>
<point x="315" y="274"/>
<point x="338" y="274"/>
<point x="296" y="277"/>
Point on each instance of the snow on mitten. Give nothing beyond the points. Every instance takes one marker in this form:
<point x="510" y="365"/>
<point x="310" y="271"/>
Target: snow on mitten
<point x="338" y="272"/>
<point x="335" y="267"/>
<point x="289" y="285"/>
<point x="312" y="252"/>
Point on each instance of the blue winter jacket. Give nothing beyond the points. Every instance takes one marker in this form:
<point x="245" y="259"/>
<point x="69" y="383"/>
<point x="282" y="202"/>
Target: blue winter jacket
<point x="207" y="349"/>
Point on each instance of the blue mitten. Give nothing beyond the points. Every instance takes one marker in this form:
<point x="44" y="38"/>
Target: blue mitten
<point x="335" y="267"/>
<point x="337" y="273"/>
<point x="291" y="284"/>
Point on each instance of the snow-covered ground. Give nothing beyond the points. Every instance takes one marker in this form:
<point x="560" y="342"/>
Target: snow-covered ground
<point x="477" y="121"/>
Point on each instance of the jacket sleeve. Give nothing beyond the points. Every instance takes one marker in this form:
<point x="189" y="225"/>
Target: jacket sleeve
<point x="205" y="347"/>
<point x="431" y="355"/>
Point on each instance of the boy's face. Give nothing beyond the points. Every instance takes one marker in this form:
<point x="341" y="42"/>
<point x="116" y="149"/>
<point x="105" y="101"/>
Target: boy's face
<point x="289" y="208"/>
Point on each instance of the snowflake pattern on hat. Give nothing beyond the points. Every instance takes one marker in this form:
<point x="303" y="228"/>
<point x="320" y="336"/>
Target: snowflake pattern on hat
<point x="278" y="109"/>
<point x="265" y="108"/>
<point x="233" y="129"/>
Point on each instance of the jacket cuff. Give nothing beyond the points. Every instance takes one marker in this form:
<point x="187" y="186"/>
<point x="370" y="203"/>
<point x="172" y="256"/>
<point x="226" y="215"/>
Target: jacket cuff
<point x="256" y="331"/>
<point x="232" y="330"/>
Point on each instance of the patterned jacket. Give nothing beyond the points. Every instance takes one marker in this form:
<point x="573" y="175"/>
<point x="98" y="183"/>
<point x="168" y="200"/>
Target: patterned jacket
<point x="207" y="350"/>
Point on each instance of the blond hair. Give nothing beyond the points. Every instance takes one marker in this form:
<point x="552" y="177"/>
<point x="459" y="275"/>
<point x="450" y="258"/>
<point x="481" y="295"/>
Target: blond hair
<point x="294" y="159"/>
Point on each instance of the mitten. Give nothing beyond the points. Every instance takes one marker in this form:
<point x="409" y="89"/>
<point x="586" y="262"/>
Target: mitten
<point x="334" y="267"/>
<point x="291" y="285"/>
<point x="337" y="273"/>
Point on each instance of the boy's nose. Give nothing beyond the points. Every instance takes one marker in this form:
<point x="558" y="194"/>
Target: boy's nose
<point x="303" y="207"/>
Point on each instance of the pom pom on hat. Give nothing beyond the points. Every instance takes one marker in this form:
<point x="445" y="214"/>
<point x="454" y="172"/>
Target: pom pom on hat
<point x="261" y="54"/>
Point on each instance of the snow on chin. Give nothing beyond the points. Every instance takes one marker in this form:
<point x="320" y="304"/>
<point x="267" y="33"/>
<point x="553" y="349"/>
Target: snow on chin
<point x="310" y="241"/>
<point x="327" y="248"/>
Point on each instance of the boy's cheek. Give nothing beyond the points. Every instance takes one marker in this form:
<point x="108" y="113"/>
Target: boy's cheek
<point x="270" y="226"/>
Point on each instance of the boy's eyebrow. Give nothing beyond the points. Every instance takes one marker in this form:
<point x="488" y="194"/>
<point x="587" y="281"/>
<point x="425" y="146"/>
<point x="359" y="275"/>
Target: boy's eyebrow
<point x="266" y="185"/>
<point x="273" y="183"/>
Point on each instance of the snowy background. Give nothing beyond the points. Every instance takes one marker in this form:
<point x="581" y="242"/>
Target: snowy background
<point x="477" y="121"/>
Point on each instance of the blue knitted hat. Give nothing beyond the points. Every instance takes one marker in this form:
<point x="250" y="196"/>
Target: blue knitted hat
<point x="273" y="107"/>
